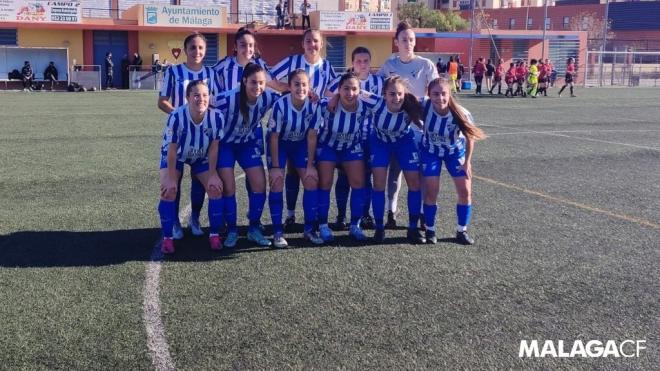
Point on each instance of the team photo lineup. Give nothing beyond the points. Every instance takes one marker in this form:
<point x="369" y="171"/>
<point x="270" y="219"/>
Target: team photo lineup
<point x="373" y="128"/>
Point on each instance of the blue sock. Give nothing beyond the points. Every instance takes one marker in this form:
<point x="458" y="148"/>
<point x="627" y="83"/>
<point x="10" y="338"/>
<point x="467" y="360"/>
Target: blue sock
<point x="216" y="207"/>
<point x="378" y="202"/>
<point x="310" y="206"/>
<point x="463" y="214"/>
<point x="367" y="194"/>
<point x="256" y="207"/>
<point x="276" y="204"/>
<point x="291" y="187"/>
<point x="197" y="194"/>
<point x="167" y="212"/>
<point x="342" y="189"/>
<point x="414" y="205"/>
<point x="324" y="205"/>
<point x="357" y="204"/>
<point x="429" y="215"/>
<point x="177" y="201"/>
<point x="230" y="213"/>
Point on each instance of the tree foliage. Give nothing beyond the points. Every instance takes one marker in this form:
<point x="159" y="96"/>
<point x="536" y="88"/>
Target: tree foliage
<point x="419" y="15"/>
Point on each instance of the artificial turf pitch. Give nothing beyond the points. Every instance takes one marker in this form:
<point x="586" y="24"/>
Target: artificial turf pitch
<point x="566" y="219"/>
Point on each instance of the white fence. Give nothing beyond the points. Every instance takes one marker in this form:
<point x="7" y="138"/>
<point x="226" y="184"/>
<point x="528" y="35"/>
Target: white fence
<point x="88" y="75"/>
<point x="622" y="69"/>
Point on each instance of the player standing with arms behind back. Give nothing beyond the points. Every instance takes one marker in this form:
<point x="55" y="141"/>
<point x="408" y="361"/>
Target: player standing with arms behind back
<point x="418" y="72"/>
<point x="449" y="137"/>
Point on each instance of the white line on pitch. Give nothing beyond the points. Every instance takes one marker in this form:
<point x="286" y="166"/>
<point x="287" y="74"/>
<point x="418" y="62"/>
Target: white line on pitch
<point x="156" y="338"/>
<point x="576" y="138"/>
<point x="572" y="131"/>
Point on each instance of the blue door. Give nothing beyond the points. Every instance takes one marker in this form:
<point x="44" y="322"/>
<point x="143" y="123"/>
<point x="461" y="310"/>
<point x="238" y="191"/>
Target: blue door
<point x="115" y="42"/>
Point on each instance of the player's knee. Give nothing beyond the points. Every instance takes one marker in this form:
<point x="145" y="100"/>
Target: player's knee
<point x="464" y="195"/>
<point x="229" y="189"/>
<point x="213" y="193"/>
<point x="310" y="184"/>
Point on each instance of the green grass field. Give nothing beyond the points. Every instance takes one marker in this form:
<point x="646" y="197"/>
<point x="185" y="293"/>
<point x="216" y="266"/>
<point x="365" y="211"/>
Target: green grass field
<point x="567" y="222"/>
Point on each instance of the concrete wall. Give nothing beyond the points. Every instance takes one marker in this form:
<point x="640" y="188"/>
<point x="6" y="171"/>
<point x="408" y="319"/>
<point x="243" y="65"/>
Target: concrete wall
<point x="73" y="39"/>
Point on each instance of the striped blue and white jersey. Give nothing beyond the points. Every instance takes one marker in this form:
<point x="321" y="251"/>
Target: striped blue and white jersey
<point x="230" y="72"/>
<point x="292" y="124"/>
<point x="193" y="140"/>
<point x="341" y="130"/>
<point x="237" y="129"/>
<point x="176" y="80"/>
<point x="442" y="135"/>
<point x="374" y="84"/>
<point x="388" y="126"/>
<point x="320" y="73"/>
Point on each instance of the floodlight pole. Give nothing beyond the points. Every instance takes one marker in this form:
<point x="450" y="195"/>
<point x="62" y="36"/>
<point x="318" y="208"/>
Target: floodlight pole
<point x="602" y="47"/>
<point x="471" y="41"/>
<point x="545" y="26"/>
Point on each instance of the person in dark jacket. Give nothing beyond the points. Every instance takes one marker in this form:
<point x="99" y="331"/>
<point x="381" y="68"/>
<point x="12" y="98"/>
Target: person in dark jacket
<point x="50" y="74"/>
<point x="125" y="63"/>
<point x="27" y="75"/>
<point x="108" y="71"/>
<point x="137" y="67"/>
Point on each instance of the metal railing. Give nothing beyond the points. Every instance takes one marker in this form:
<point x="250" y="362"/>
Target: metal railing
<point x="87" y="75"/>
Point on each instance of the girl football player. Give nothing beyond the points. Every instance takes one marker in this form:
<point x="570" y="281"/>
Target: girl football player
<point x="229" y="71"/>
<point x="243" y="109"/>
<point x="321" y="74"/>
<point x="570" y="75"/>
<point x="292" y="132"/>
<point x="510" y="79"/>
<point x="373" y="84"/>
<point x="172" y="95"/>
<point x="339" y="144"/>
<point x="418" y="73"/>
<point x="191" y="137"/>
<point x="392" y="137"/>
<point x="449" y="137"/>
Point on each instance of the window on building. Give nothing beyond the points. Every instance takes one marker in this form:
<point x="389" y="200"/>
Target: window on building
<point x="8" y="36"/>
<point x="566" y="22"/>
<point x="548" y="24"/>
<point x="483" y="3"/>
<point x="512" y="23"/>
<point x="530" y="22"/>
<point x="494" y="22"/>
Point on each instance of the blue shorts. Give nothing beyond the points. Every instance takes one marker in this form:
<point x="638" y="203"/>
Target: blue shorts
<point x="327" y="153"/>
<point x="432" y="164"/>
<point x="404" y="150"/>
<point x="296" y="152"/>
<point x="196" y="167"/>
<point x="247" y="154"/>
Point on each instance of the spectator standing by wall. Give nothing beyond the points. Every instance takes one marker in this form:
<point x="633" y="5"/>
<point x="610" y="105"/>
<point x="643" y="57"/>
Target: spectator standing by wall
<point x="280" y="15"/>
<point x="304" y="10"/>
<point x="125" y="65"/>
<point x="137" y="67"/>
<point x="108" y="71"/>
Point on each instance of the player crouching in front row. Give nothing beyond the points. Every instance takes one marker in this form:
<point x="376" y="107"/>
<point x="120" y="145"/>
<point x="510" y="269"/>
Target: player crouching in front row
<point x="192" y="137"/>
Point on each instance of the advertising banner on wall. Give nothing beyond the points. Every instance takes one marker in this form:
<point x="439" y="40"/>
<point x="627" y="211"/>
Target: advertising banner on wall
<point x="183" y="16"/>
<point x="36" y="11"/>
<point x="354" y="21"/>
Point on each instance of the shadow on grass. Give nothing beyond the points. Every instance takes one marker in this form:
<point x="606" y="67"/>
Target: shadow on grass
<point x="75" y="249"/>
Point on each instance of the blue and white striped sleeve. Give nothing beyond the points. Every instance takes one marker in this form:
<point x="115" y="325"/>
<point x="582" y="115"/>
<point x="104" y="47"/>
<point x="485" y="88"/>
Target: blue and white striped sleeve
<point x="172" y="128"/>
<point x="318" y="119"/>
<point x="219" y="125"/>
<point x="334" y="84"/>
<point x="281" y="70"/>
<point x="167" y="90"/>
<point x="275" y="121"/>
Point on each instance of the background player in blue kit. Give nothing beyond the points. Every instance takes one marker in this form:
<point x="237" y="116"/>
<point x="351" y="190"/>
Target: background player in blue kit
<point x="390" y="140"/>
<point x="243" y="109"/>
<point x="449" y="138"/>
<point x="361" y="66"/>
<point x="292" y="131"/>
<point x="340" y="144"/>
<point x="172" y="95"/>
<point x="320" y="74"/>
<point x="191" y="136"/>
